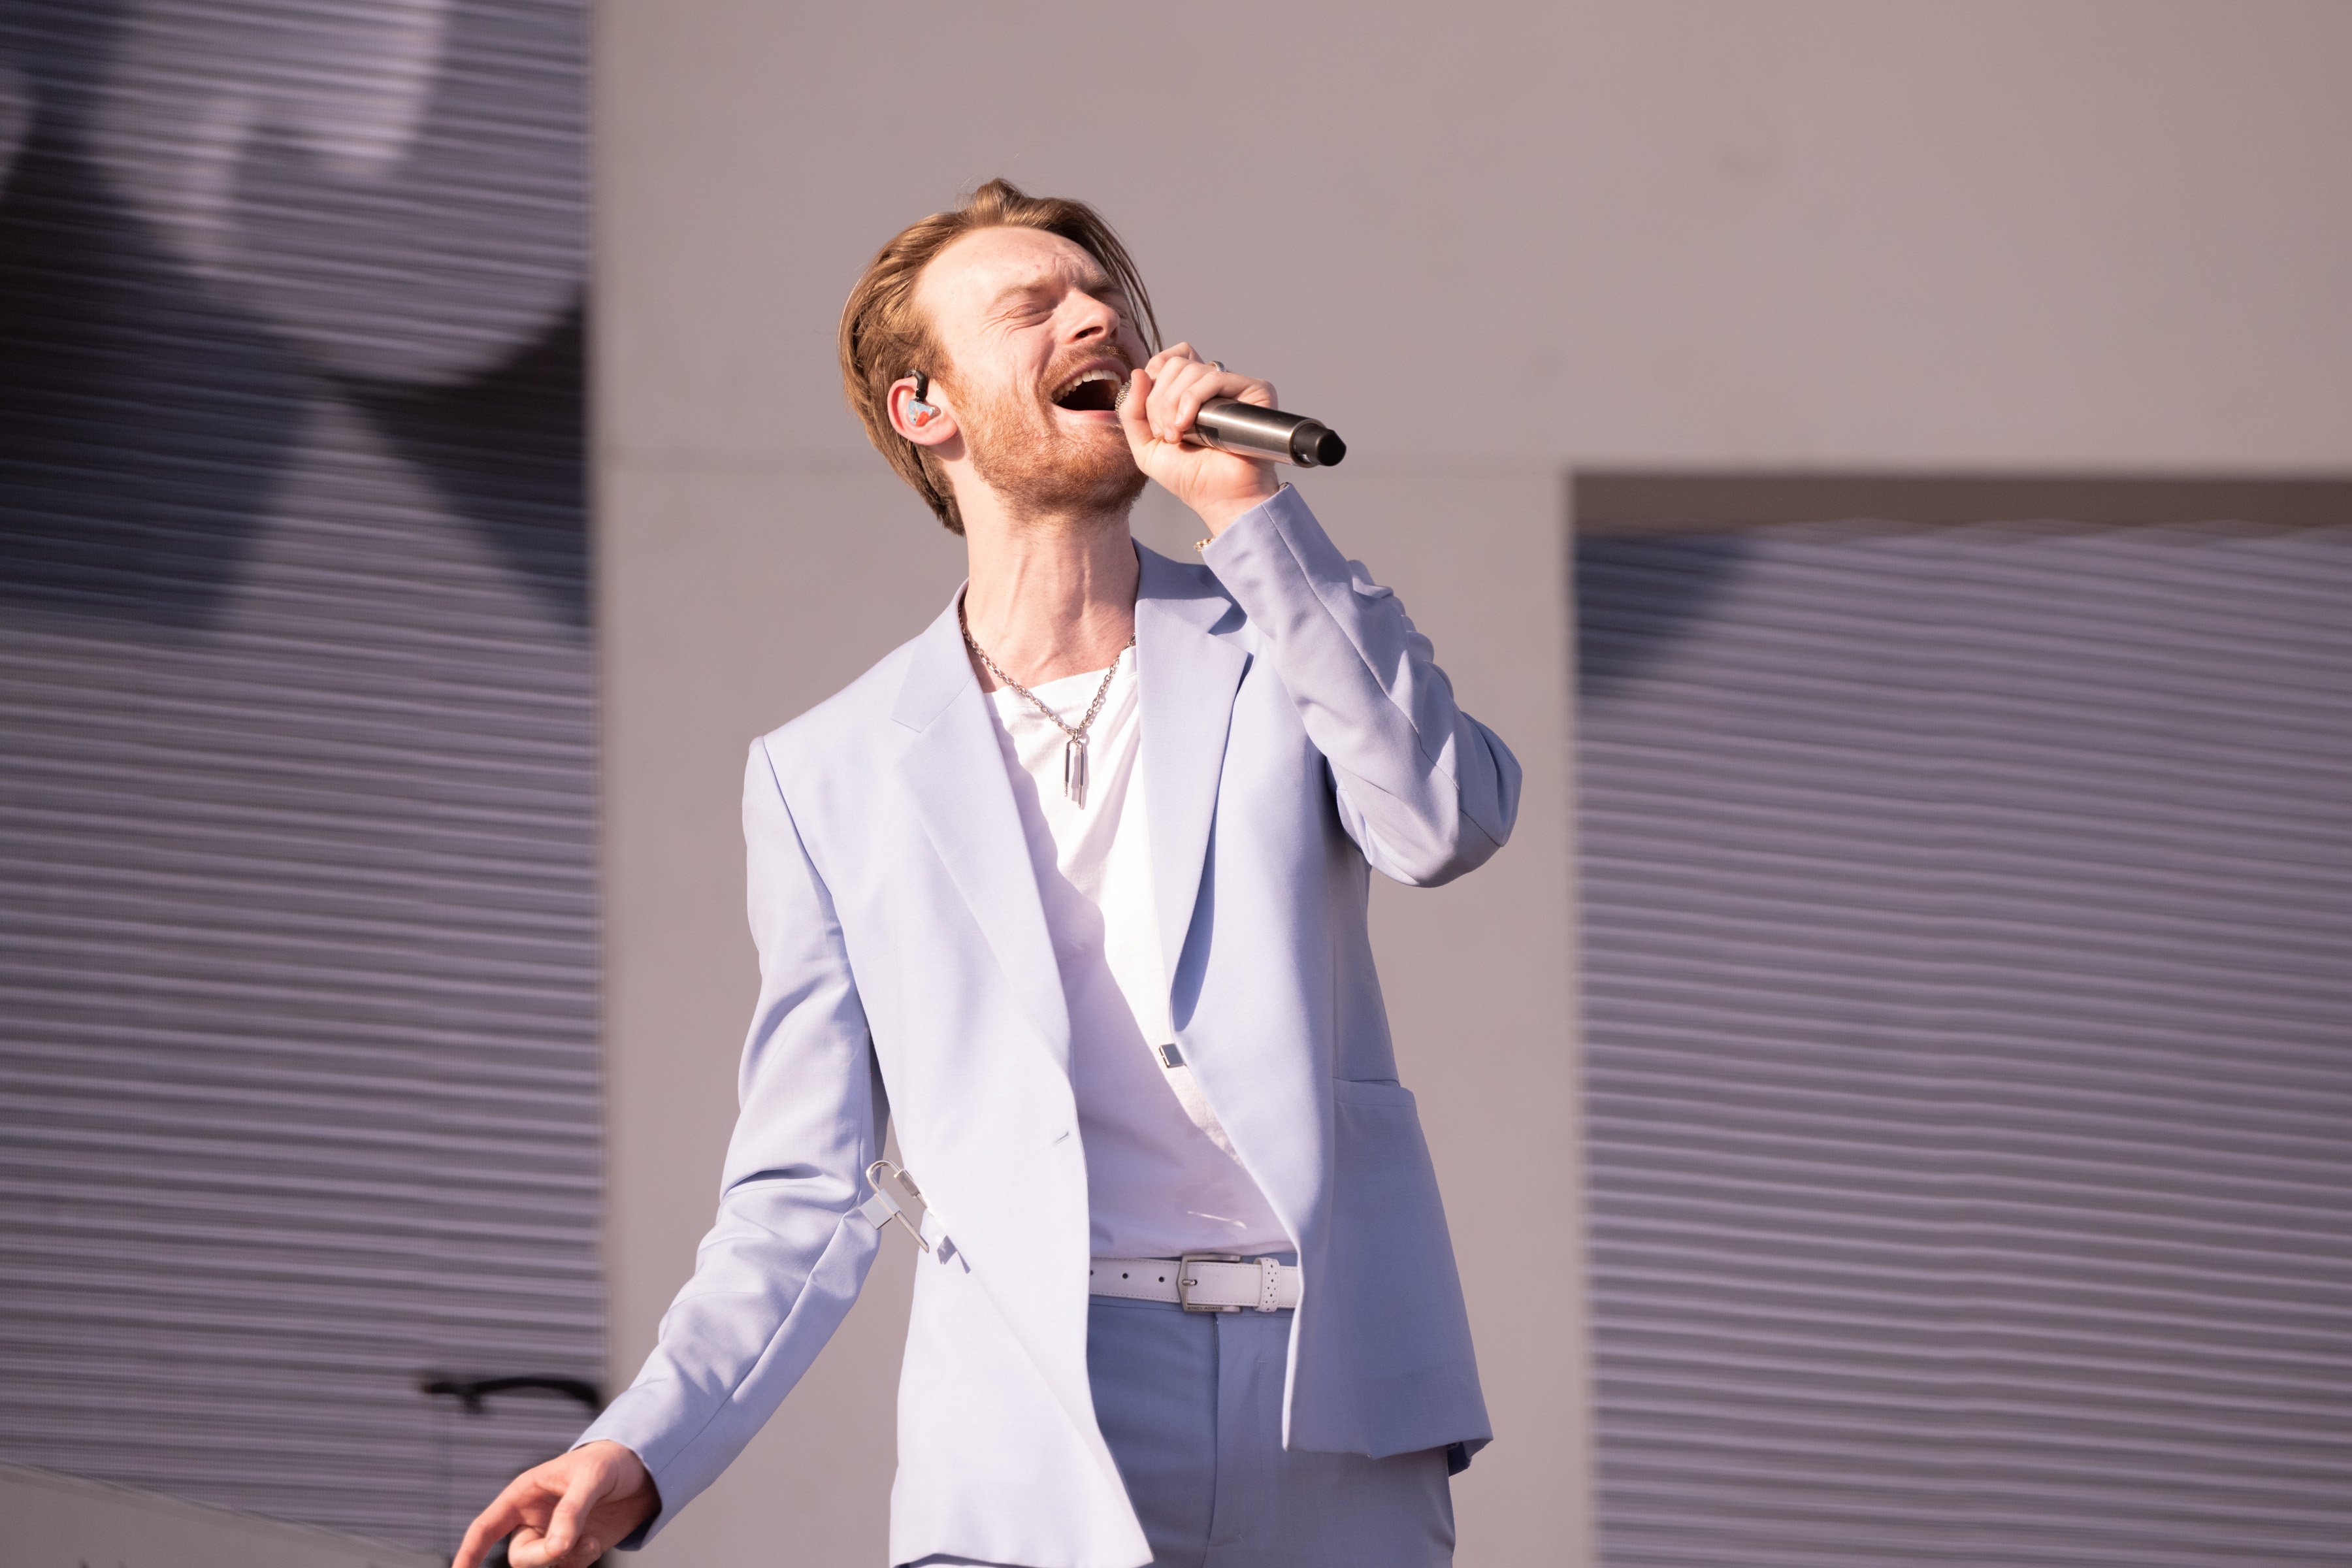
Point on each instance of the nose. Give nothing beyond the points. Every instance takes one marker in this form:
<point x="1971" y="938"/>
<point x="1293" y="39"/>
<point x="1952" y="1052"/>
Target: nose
<point x="1090" y="319"/>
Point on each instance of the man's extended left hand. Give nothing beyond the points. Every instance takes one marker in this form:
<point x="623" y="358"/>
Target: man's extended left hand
<point x="1161" y="399"/>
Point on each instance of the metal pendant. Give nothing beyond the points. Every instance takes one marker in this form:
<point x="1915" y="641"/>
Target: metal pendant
<point x="1074" y="771"/>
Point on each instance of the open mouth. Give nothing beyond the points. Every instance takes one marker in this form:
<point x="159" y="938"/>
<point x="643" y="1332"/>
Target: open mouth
<point x="1091" y="391"/>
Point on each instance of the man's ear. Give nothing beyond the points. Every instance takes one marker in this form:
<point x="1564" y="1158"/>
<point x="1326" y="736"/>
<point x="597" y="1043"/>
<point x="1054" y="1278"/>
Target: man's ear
<point x="920" y="413"/>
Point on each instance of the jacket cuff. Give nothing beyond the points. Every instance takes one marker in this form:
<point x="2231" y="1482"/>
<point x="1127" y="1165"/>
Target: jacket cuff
<point x="1279" y="526"/>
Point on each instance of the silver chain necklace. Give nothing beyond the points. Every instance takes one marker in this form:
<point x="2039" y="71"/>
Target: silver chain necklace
<point x="1074" y="749"/>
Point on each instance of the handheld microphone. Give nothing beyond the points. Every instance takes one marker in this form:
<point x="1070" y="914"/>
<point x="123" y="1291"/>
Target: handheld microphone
<point x="1244" y="429"/>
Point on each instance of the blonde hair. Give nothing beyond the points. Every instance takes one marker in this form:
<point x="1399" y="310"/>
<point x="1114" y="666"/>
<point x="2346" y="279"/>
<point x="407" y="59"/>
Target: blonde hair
<point x="885" y="338"/>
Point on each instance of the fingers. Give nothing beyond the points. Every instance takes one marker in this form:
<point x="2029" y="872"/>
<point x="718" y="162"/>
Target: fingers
<point x="1131" y="415"/>
<point x="589" y="1483"/>
<point x="1178" y="382"/>
<point x="1179" y="398"/>
<point x="1175" y="354"/>
<point x="485" y="1529"/>
<point x="502" y="1518"/>
<point x="531" y="1549"/>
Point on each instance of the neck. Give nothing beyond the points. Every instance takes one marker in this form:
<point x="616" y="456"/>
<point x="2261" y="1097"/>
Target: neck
<point x="1049" y="596"/>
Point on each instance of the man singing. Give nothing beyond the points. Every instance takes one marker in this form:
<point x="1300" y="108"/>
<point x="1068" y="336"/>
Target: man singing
<point x="1073" y="886"/>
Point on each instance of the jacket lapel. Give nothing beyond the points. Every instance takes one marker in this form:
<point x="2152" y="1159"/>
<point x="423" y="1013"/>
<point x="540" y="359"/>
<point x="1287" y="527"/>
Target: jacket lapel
<point x="1188" y="676"/>
<point x="956" y="773"/>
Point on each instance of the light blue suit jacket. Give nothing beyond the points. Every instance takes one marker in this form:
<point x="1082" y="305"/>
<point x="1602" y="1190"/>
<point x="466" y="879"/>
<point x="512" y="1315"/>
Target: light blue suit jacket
<point x="1296" y="735"/>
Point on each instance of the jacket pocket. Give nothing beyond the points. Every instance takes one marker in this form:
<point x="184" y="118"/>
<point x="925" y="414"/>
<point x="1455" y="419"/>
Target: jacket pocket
<point x="1372" y="1091"/>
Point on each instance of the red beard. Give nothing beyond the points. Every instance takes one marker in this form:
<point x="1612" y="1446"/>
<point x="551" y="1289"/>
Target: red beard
<point x="1043" y="467"/>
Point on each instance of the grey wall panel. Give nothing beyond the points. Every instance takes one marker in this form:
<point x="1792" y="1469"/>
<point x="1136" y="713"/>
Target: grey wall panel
<point x="298" y="946"/>
<point x="1968" y="944"/>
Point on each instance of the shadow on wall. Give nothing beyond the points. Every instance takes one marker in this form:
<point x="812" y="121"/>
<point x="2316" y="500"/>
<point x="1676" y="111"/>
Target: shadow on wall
<point x="163" y="352"/>
<point x="1634" y="596"/>
<point x="1964" y="897"/>
<point x="297" y="750"/>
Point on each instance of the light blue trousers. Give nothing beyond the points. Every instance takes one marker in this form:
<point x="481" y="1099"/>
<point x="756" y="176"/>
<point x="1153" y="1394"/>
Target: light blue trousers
<point x="1191" y="1403"/>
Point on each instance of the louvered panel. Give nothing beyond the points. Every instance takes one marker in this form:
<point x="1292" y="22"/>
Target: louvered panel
<point x="298" y="951"/>
<point x="1967" y="936"/>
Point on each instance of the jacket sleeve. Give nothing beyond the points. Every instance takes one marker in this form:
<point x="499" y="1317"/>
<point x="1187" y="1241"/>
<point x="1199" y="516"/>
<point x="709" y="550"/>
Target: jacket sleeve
<point x="787" y="1256"/>
<point x="1425" y="791"/>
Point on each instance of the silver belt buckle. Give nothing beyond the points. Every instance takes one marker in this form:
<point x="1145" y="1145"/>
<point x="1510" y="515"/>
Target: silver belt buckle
<point x="1185" y="1280"/>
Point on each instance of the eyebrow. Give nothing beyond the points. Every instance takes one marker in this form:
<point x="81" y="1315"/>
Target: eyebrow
<point x="1095" y="282"/>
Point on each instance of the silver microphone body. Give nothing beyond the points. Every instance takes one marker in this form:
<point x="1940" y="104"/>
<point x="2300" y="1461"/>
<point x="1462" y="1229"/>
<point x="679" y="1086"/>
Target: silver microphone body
<point x="1244" y="429"/>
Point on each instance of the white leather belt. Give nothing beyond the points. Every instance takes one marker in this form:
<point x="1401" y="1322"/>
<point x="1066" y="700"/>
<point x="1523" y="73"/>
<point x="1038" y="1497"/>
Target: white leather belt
<point x="1198" y="1281"/>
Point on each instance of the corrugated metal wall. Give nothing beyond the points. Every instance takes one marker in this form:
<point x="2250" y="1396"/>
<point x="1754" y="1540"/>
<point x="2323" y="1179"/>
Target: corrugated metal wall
<point x="297" y="964"/>
<point x="1968" y="948"/>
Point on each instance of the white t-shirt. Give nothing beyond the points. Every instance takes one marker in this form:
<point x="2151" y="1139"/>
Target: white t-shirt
<point x="1163" y="1178"/>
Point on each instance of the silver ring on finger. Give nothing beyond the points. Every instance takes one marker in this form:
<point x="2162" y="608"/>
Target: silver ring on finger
<point x="1218" y="363"/>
